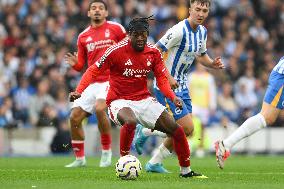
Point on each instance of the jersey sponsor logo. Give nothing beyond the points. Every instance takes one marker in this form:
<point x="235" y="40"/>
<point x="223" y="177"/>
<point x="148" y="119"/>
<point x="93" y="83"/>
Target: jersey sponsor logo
<point x="189" y="58"/>
<point x="128" y="72"/>
<point x="99" y="44"/>
<point x="89" y="39"/>
<point x="128" y="63"/>
<point x="107" y="33"/>
<point x="178" y="111"/>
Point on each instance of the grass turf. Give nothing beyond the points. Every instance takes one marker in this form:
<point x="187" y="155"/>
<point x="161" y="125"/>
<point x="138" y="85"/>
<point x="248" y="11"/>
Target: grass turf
<point x="48" y="173"/>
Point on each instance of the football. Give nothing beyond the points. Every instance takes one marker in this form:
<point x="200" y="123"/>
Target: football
<point x="128" y="167"/>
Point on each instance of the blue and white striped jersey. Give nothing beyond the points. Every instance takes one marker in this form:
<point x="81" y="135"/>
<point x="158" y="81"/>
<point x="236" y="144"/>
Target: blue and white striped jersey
<point x="280" y="66"/>
<point x="182" y="44"/>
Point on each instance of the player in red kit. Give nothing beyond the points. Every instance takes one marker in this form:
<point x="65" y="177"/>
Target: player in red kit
<point x="92" y="43"/>
<point x="129" y="100"/>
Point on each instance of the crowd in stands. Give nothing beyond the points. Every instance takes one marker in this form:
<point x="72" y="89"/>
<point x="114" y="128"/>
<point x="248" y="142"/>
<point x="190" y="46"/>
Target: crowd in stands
<point x="36" y="34"/>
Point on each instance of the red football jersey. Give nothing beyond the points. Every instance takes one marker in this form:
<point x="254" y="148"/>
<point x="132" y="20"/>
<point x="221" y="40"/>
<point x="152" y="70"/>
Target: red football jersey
<point x="93" y="42"/>
<point x="128" y="72"/>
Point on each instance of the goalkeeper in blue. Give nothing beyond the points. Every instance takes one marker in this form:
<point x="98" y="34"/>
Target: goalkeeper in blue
<point x="181" y="45"/>
<point x="273" y="103"/>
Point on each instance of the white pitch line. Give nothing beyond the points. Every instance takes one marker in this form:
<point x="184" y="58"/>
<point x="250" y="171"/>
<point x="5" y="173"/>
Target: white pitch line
<point x="242" y="173"/>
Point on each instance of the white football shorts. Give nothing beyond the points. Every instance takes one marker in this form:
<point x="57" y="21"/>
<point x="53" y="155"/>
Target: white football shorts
<point x="147" y="111"/>
<point x="90" y="94"/>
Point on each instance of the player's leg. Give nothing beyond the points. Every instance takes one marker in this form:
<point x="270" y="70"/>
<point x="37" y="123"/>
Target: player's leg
<point x="166" y="124"/>
<point x="166" y="148"/>
<point x="253" y="124"/>
<point x="154" y="116"/>
<point x="77" y="135"/>
<point x="82" y="107"/>
<point x="184" y="119"/>
<point x="271" y="107"/>
<point x="142" y="133"/>
<point x="105" y="131"/>
<point x="128" y="120"/>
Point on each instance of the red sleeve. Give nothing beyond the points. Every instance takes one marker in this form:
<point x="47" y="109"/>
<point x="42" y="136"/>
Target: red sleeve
<point x="81" y="56"/>
<point x="120" y="32"/>
<point x="98" y="67"/>
<point x="161" y="72"/>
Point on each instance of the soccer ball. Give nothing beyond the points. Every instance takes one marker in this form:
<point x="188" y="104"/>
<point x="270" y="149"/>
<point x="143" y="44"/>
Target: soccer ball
<point x="128" y="167"/>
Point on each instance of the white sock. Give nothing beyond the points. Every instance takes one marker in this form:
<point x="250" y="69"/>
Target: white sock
<point x="106" y="151"/>
<point x="149" y="132"/>
<point x="81" y="158"/>
<point x="184" y="170"/>
<point x="160" y="154"/>
<point x="250" y="126"/>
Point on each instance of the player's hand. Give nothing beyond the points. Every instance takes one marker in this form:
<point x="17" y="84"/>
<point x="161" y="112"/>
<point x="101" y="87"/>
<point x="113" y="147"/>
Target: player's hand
<point x="71" y="59"/>
<point x="217" y="63"/>
<point x="178" y="102"/>
<point x="173" y="83"/>
<point x="73" y="96"/>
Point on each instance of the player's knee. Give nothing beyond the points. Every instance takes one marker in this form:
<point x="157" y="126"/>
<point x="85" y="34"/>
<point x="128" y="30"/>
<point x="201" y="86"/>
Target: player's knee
<point x="188" y="131"/>
<point x="171" y="128"/>
<point x="100" y="108"/>
<point x="269" y="120"/>
<point x="131" y="121"/>
<point x="76" y="117"/>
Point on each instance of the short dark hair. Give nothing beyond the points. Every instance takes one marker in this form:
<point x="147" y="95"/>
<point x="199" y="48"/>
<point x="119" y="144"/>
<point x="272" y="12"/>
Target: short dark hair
<point x="200" y="1"/>
<point x="98" y="1"/>
<point x="140" y="23"/>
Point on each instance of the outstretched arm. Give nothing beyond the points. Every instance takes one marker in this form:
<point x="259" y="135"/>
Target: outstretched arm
<point x="205" y="60"/>
<point x="86" y="79"/>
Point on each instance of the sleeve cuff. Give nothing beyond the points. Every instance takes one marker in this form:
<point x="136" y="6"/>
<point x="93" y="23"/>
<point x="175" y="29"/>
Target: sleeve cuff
<point x="163" y="47"/>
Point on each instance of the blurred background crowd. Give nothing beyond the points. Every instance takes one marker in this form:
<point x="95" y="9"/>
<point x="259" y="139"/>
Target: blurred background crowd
<point x="36" y="34"/>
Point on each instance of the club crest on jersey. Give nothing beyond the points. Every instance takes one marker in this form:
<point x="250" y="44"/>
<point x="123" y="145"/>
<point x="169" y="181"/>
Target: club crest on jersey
<point x="149" y="63"/>
<point x="107" y="33"/>
<point x="178" y="111"/>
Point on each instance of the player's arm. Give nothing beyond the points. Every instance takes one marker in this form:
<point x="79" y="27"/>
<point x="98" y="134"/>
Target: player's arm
<point x="120" y="32"/>
<point x="71" y="59"/>
<point x="205" y="60"/>
<point x="161" y="73"/>
<point x="91" y="72"/>
<point x="173" y="83"/>
<point x="81" y="57"/>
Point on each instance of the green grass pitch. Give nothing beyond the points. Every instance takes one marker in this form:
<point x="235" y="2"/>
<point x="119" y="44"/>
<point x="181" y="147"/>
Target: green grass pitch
<point x="257" y="172"/>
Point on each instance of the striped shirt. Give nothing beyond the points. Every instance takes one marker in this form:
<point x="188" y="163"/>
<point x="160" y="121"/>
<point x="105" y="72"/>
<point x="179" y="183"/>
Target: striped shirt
<point x="280" y="66"/>
<point x="182" y="45"/>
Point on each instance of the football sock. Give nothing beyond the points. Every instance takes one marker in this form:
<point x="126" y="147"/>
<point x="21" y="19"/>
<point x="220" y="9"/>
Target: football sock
<point x="181" y="147"/>
<point x="250" y="126"/>
<point x="106" y="141"/>
<point x="127" y="132"/>
<point x="184" y="170"/>
<point x="160" y="154"/>
<point x="78" y="149"/>
<point x="149" y="132"/>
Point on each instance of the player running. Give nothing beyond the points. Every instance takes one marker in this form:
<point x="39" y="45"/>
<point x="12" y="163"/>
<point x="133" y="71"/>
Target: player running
<point x="92" y="43"/>
<point x="129" y="101"/>
<point x="182" y="44"/>
<point x="273" y="104"/>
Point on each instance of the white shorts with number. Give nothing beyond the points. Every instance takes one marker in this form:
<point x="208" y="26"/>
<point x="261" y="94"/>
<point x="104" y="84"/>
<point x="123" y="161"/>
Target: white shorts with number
<point x="90" y="94"/>
<point x="147" y="111"/>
